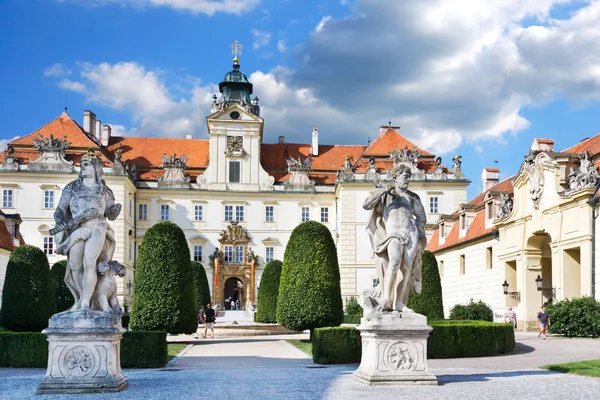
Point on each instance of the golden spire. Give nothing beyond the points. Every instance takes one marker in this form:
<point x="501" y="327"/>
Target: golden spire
<point x="236" y="50"/>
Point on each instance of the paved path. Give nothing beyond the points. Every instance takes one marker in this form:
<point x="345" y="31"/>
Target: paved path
<point x="269" y="368"/>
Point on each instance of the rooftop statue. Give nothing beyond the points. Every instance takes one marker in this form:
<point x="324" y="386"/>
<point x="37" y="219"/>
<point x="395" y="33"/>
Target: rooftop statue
<point x="398" y="240"/>
<point x="82" y="232"/>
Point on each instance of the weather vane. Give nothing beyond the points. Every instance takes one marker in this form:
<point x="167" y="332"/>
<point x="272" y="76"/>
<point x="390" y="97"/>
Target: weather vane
<point x="236" y="50"/>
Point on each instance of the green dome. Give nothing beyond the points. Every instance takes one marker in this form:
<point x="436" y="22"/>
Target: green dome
<point x="235" y="87"/>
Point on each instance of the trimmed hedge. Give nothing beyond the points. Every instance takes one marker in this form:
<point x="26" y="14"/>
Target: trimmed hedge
<point x="62" y="295"/>
<point x="268" y="292"/>
<point x="352" y="319"/>
<point x="454" y="339"/>
<point x="352" y="307"/>
<point x="472" y="312"/>
<point x="28" y="296"/>
<point x="429" y="301"/>
<point x="30" y="350"/>
<point x="575" y="317"/>
<point x="336" y="345"/>
<point x="201" y="285"/>
<point x="309" y="291"/>
<point x="163" y="299"/>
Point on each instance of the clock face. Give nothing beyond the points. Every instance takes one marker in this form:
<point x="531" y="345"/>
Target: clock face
<point x="234" y="115"/>
<point x="234" y="143"/>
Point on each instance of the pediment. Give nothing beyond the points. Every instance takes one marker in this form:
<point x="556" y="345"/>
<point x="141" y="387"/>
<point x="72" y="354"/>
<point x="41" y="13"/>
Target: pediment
<point x="198" y="239"/>
<point x="271" y="241"/>
<point x="226" y="115"/>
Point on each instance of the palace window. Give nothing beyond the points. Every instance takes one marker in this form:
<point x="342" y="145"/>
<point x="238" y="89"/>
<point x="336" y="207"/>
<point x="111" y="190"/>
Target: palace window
<point x="441" y="268"/>
<point x="269" y="214"/>
<point x="48" y="198"/>
<point x="198" y="213"/>
<point x="324" y="214"/>
<point x="463" y="221"/>
<point x="142" y="212"/>
<point x="48" y="245"/>
<point x="305" y="214"/>
<point x="488" y="258"/>
<point x="462" y="264"/>
<point x="197" y="253"/>
<point x="442" y="230"/>
<point x="239" y="213"/>
<point x="228" y="253"/>
<point x="269" y="252"/>
<point x="489" y="210"/>
<point x="234" y="171"/>
<point x="228" y="213"/>
<point x="164" y="212"/>
<point x="7" y="198"/>
<point x="239" y="254"/>
<point x="433" y="205"/>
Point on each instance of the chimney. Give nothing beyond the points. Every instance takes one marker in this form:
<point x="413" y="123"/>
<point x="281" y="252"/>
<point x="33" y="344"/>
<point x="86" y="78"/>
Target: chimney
<point x="98" y="130"/>
<point x="490" y="177"/>
<point x="281" y="139"/>
<point x="188" y="136"/>
<point x="315" y="142"/>
<point x="542" y="145"/>
<point x="89" y="122"/>
<point x="106" y="130"/>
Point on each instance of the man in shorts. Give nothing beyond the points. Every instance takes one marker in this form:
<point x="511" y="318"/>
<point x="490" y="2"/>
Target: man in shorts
<point x="209" y="320"/>
<point x="543" y="321"/>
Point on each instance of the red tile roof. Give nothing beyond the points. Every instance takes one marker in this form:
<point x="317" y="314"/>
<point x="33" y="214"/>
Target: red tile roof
<point x="492" y="169"/>
<point x="6" y="240"/>
<point x="387" y="141"/>
<point x="590" y="144"/>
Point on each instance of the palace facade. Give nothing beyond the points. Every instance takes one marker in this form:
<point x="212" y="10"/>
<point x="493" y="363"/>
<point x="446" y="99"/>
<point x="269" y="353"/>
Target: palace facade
<point x="236" y="197"/>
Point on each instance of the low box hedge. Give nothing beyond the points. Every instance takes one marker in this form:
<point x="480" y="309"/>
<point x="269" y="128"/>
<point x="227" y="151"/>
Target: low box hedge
<point x="336" y="345"/>
<point x="352" y="319"/>
<point x="30" y="349"/>
<point x="449" y="339"/>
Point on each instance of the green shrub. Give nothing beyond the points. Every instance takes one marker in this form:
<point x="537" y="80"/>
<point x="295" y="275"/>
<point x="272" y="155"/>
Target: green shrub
<point x="352" y="319"/>
<point x="352" y="307"/>
<point x="473" y="311"/>
<point x="201" y="284"/>
<point x="23" y="350"/>
<point x="163" y="299"/>
<point x="28" y="296"/>
<point x="575" y="317"/>
<point x="62" y="295"/>
<point x="454" y="339"/>
<point x="144" y="349"/>
<point x="125" y="318"/>
<point x="429" y="301"/>
<point x="337" y="345"/>
<point x="309" y="291"/>
<point x="266" y="307"/>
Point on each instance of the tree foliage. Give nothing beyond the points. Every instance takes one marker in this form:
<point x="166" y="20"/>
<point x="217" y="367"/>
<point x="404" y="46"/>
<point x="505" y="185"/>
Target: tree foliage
<point x="164" y="295"/>
<point x="28" y="295"/>
<point x="429" y="302"/>
<point x="268" y="292"/>
<point x="476" y="311"/>
<point x="352" y="307"/>
<point x="309" y="290"/>
<point x="62" y="295"/>
<point x="201" y="284"/>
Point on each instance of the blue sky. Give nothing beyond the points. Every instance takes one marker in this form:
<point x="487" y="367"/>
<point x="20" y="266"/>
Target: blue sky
<point x="478" y="78"/>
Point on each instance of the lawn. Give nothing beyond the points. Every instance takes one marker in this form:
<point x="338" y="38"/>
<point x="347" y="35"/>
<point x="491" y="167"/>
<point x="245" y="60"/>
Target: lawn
<point x="304" y="345"/>
<point x="587" y="368"/>
<point x="173" y="349"/>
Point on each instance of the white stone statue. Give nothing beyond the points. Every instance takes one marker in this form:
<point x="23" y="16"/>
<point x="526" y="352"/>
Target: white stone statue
<point x="82" y="232"/>
<point x="106" y="288"/>
<point x="398" y="240"/>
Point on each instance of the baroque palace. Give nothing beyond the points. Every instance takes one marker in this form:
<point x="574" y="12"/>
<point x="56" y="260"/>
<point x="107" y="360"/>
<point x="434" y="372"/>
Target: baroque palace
<point x="236" y="198"/>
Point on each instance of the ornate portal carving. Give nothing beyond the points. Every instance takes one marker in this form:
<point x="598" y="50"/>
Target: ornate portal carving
<point x="52" y="154"/>
<point x="506" y="206"/>
<point x="535" y="177"/>
<point x="584" y="176"/>
<point x="233" y="234"/>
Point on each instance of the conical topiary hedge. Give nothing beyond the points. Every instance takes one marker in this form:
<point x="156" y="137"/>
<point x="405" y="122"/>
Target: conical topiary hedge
<point x="429" y="302"/>
<point x="201" y="284"/>
<point x="62" y="295"/>
<point x="266" y="308"/>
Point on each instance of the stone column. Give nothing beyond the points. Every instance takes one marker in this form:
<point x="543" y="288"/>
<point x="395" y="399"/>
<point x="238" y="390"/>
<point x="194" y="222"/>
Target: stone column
<point x="84" y="353"/>
<point x="394" y="350"/>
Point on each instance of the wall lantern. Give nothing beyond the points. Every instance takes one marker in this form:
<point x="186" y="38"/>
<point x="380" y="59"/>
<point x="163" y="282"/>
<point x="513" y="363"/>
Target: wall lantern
<point x="513" y="295"/>
<point x="549" y="292"/>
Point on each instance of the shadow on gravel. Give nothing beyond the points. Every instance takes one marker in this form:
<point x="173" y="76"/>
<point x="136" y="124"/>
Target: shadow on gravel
<point x="446" y="379"/>
<point x="521" y="348"/>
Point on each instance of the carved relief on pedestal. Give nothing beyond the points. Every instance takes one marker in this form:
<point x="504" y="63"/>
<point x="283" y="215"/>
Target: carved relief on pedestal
<point x="584" y="176"/>
<point x="78" y="362"/>
<point x="401" y="356"/>
<point x="51" y="154"/>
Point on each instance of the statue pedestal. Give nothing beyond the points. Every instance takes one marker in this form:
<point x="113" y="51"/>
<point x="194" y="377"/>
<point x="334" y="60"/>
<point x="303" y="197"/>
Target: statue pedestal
<point x="84" y="353"/>
<point x="394" y="350"/>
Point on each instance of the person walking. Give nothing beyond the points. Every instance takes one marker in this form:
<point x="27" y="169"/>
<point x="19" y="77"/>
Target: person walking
<point x="543" y="322"/>
<point x="200" y="320"/>
<point x="209" y="321"/>
<point x="511" y="315"/>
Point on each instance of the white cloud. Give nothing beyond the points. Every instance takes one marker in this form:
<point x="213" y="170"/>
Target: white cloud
<point x="261" y="39"/>
<point x="5" y="142"/>
<point x="281" y="46"/>
<point x="57" y="69"/>
<point x="322" y="23"/>
<point x="208" y="7"/>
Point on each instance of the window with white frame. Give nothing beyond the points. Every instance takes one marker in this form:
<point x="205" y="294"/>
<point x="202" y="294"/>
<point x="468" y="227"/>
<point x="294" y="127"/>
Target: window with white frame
<point x="142" y="212"/>
<point x="234" y="171"/>
<point x="324" y="214"/>
<point x="441" y="268"/>
<point x="239" y="254"/>
<point x="489" y="259"/>
<point x="164" y="212"/>
<point x="489" y="210"/>
<point x="227" y="253"/>
<point x="197" y="253"/>
<point x="269" y="213"/>
<point x="131" y="210"/>
<point x="48" y="245"/>
<point x="198" y="212"/>
<point x="463" y="221"/>
<point x="48" y="198"/>
<point x="7" y="198"/>
<point x="269" y="253"/>
<point x="433" y="204"/>
<point x="228" y="213"/>
<point x="461" y="264"/>
<point x="305" y="214"/>
<point x="239" y="213"/>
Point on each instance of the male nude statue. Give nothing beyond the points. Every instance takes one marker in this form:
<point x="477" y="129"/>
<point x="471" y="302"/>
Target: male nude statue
<point x="82" y="232"/>
<point x="398" y="240"/>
